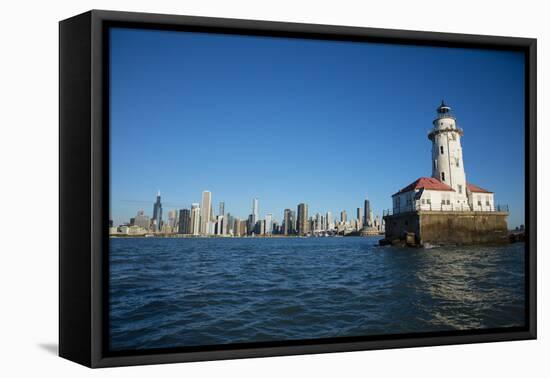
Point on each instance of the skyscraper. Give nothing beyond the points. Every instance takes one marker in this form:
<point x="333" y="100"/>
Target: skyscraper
<point x="318" y="225"/>
<point x="184" y="222"/>
<point x="142" y="220"/>
<point x="157" y="214"/>
<point x="276" y="228"/>
<point x="251" y="225"/>
<point x="287" y="222"/>
<point x="222" y="208"/>
<point x="268" y="224"/>
<point x="302" y="221"/>
<point x="343" y="216"/>
<point x="219" y="225"/>
<point x="211" y="227"/>
<point x="255" y="209"/>
<point x="367" y="214"/>
<point x="172" y="218"/>
<point x="227" y="224"/>
<point x="240" y="227"/>
<point x="195" y="219"/>
<point x="330" y="221"/>
<point x="371" y="218"/>
<point x="206" y="211"/>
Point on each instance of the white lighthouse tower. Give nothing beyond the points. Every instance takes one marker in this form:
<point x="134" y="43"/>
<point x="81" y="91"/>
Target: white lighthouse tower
<point x="447" y="161"/>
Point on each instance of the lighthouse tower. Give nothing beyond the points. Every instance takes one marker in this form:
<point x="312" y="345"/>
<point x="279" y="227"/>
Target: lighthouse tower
<point x="447" y="161"/>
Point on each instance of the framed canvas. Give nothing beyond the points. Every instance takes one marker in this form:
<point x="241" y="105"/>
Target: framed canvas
<point x="234" y="188"/>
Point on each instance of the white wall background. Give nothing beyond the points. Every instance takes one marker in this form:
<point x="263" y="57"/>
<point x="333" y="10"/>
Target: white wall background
<point x="29" y="186"/>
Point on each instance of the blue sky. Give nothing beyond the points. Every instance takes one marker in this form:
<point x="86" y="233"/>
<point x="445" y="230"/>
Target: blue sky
<point x="290" y="120"/>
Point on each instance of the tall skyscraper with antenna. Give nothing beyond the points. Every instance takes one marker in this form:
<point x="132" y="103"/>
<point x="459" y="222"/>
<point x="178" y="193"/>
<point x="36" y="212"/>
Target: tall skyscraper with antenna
<point x="157" y="214"/>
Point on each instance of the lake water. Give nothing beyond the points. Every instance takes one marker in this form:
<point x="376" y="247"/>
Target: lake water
<point x="168" y="292"/>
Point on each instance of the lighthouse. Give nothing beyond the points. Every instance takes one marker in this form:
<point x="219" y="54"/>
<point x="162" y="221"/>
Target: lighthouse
<point x="447" y="159"/>
<point x="445" y="208"/>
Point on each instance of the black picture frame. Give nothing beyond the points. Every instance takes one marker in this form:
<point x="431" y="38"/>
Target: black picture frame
<point x="84" y="186"/>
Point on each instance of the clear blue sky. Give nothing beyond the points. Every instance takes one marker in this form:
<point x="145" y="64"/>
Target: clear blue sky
<point x="291" y="120"/>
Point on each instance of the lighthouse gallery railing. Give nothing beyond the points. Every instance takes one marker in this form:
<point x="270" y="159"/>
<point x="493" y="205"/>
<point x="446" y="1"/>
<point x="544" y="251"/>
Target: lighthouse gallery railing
<point x="444" y="207"/>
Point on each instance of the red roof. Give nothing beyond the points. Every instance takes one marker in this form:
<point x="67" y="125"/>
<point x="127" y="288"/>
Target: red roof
<point x="476" y="189"/>
<point x="429" y="183"/>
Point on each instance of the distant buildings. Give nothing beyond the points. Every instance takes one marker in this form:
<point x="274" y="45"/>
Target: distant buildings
<point x="199" y="220"/>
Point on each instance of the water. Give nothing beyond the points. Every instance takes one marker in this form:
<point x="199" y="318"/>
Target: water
<point x="189" y="292"/>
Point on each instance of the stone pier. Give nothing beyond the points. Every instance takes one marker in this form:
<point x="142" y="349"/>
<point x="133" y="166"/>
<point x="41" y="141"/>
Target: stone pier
<point x="448" y="227"/>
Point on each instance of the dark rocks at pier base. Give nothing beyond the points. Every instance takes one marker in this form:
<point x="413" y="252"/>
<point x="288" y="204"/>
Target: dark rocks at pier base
<point x="401" y="243"/>
<point x="408" y="240"/>
<point x="516" y="237"/>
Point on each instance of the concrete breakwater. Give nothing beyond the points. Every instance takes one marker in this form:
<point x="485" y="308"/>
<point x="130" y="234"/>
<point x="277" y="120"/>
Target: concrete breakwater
<point x="446" y="227"/>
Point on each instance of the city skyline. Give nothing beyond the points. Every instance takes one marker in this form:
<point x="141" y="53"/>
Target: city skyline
<point x="202" y="220"/>
<point x="258" y="117"/>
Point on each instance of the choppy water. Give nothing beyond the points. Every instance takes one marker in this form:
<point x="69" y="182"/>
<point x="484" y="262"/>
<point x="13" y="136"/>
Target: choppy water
<point x="189" y="292"/>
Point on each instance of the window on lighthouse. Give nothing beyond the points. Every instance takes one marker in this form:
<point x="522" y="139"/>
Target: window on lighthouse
<point x="441" y="149"/>
<point x="442" y="176"/>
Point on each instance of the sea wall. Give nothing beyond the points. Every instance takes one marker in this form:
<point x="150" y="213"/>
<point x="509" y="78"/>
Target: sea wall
<point x="449" y="227"/>
<point x="398" y="225"/>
